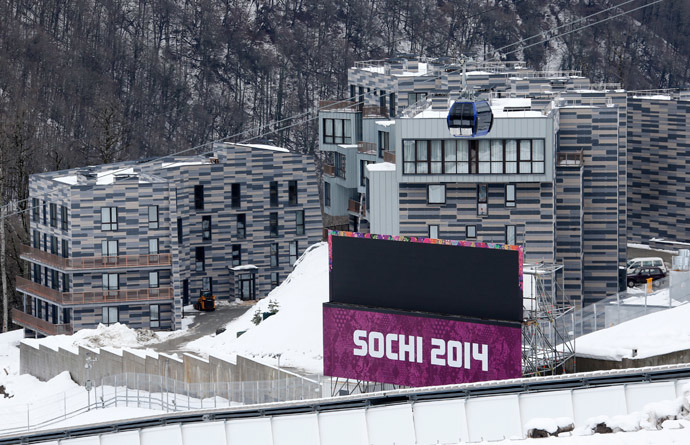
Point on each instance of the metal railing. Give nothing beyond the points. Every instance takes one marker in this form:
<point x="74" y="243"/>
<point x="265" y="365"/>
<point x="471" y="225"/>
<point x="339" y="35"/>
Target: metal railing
<point x="374" y="111"/>
<point x="569" y="159"/>
<point x="329" y="169"/>
<point x="95" y="295"/>
<point x="366" y="147"/>
<point x="97" y="262"/>
<point x="355" y="207"/>
<point x="36" y="324"/>
<point x="389" y="156"/>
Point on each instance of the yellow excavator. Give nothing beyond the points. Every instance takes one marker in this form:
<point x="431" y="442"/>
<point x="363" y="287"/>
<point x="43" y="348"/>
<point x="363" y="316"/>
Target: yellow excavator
<point x="206" y="302"/>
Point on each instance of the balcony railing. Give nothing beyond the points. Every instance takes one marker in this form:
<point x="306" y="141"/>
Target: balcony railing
<point x="356" y="207"/>
<point x="338" y="105"/>
<point x="366" y="148"/>
<point x="94" y="295"/>
<point x="374" y="111"/>
<point x="42" y="326"/>
<point x="389" y="156"/>
<point x="569" y="159"/>
<point x="329" y="169"/>
<point x="96" y="262"/>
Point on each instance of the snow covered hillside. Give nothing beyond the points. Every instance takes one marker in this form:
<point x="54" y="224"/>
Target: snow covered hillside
<point x="294" y="333"/>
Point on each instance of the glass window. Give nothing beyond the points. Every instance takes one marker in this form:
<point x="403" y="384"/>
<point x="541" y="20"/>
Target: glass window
<point x="383" y="142"/>
<point x="273" y="223"/>
<point x="53" y="215"/>
<point x="409" y="157"/>
<point x="326" y="194"/>
<point x="450" y="157"/>
<point x="275" y="281"/>
<point x="65" y="284"/>
<point x="36" y="239"/>
<point x="108" y="218"/>
<point x="53" y="244"/>
<point x="525" y="156"/>
<point x="154" y="316"/>
<point x="538" y="156"/>
<point x="65" y="248"/>
<point x="200" y="258"/>
<point x="153" y="217"/>
<point x="484" y="157"/>
<point x="36" y="210"/>
<point x="109" y="248"/>
<point x="241" y="225"/>
<point x="496" y="156"/>
<point x="110" y="315"/>
<point x="179" y="231"/>
<point x="111" y="281"/>
<point x="206" y="284"/>
<point x="206" y="228"/>
<point x="482" y="199"/>
<point x="236" y="198"/>
<point x="436" y="194"/>
<point x="292" y="193"/>
<point x="45" y="213"/>
<point x="510" y="195"/>
<point x="436" y="157"/>
<point x="273" y="193"/>
<point x="470" y="232"/>
<point x="153" y="246"/>
<point x="463" y="148"/>
<point x="422" y="157"/>
<point x="300" y="222"/>
<point x="274" y="255"/>
<point x="337" y="131"/>
<point x="433" y="231"/>
<point x="153" y="279"/>
<point x="511" y="156"/>
<point x="236" y="255"/>
<point x="199" y="197"/>
<point x="64" y="218"/>
<point x="510" y="235"/>
<point x="293" y="252"/>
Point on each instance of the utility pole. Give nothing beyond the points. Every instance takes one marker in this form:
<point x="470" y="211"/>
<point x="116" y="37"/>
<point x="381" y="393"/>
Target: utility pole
<point x="5" y="299"/>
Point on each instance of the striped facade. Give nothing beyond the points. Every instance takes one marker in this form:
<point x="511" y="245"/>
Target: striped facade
<point x="140" y="240"/>
<point x="659" y="167"/>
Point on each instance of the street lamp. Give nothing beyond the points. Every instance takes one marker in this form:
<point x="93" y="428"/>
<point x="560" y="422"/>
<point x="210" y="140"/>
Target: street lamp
<point x="89" y="384"/>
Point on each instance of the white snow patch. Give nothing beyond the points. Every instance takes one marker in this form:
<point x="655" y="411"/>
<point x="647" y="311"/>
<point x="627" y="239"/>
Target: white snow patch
<point x="69" y="179"/>
<point x="108" y="176"/>
<point x="381" y="167"/>
<point x="385" y="123"/>
<point x="181" y="164"/>
<point x="265" y="147"/>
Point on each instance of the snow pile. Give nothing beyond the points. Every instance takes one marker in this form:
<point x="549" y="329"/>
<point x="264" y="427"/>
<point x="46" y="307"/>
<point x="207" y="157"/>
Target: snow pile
<point x="654" y="334"/>
<point x="294" y="333"/>
<point x="116" y="335"/>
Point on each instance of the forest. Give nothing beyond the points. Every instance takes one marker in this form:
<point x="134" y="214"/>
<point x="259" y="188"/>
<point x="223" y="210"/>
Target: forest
<point x="96" y="81"/>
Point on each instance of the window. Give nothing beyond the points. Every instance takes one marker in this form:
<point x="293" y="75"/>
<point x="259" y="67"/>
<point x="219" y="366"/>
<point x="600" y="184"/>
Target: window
<point x="299" y="223"/>
<point x="274" y="255"/>
<point x="154" y="316"/>
<point x="382" y="99"/>
<point x="241" y="225"/>
<point x="45" y="214"/>
<point x="391" y="110"/>
<point x="436" y="194"/>
<point x="235" y="200"/>
<point x="179" y="230"/>
<point x="65" y="248"/>
<point x="206" y="228"/>
<point x="292" y="193"/>
<point x="362" y="172"/>
<point x="65" y="282"/>
<point x="37" y="273"/>
<point x="293" y="252"/>
<point x="54" y="279"/>
<point x="153" y="279"/>
<point x="200" y="258"/>
<point x="45" y="242"/>
<point x="482" y="199"/>
<point x="383" y="142"/>
<point x="64" y="218"/>
<point x="36" y="210"/>
<point x="108" y="218"/>
<point x="326" y="194"/>
<point x="340" y="164"/>
<point x="45" y="276"/>
<point x="207" y="284"/>
<point x="153" y="246"/>
<point x="53" y="244"/>
<point x="470" y="232"/>
<point x="36" y="239"/>
<point x="53" y="215"/>
<point x="236" y="255"/>
<point x="510" y="235"/>
<point x="273" y="193"/>
<point x="111" y="281"/>
<point x="153" y="217"/>
<point x="510" y="195"/>
<point x="111" y="315"/>
<point x="413" y="98"/>
<point x="109" y="248"/>
<point x="337" y="131"/>
<point x="199" y="197"/>
<point x="433" y="231"/>
<point x="273" y="224"/>
<point x="275" y="281"/>
<point x="66" y="315"/>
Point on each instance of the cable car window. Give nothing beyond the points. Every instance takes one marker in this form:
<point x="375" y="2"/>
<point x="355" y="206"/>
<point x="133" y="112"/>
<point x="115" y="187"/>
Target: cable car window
<point x="484" y="157"/>
<point x="436" y="157"/>
<point x="511" y="156"/>
<point x="525" y="156"/>
<point x="496" y="156"/>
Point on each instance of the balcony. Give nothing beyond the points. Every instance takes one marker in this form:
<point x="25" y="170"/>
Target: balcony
<point x="329" y="170"/>
<point x="36" y="324"/>
<point x="569" y="159"/>
<point x="356" y="208"/>
<point x="94" y="296"/>
<point x="95" y="262"/>
<point x="374" y="111"/>
<point x="366" y="148"/>
<point x="389" y="156"/>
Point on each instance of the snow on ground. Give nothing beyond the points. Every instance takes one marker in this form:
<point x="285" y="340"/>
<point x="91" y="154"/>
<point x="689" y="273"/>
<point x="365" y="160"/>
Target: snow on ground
<point x="658" y="333"/>
<point x="295" y="332"/>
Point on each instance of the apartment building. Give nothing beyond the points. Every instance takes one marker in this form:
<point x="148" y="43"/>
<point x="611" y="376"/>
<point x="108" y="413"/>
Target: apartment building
<point x="135" y="242"/>
<point x="550" y="175"/>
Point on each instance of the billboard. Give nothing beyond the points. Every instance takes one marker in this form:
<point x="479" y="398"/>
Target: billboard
<point x="415" y="350"/>
<point x="420" y="312"/>
<point x="469" y="279"/>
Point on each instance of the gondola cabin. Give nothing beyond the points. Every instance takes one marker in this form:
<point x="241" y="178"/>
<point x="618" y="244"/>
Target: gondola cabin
<point x="470" y="119"/>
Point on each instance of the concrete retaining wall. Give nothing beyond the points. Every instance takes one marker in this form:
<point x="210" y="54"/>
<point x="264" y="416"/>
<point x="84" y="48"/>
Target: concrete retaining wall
<point x="591" y="364"/>
<point x="45" y="363"/>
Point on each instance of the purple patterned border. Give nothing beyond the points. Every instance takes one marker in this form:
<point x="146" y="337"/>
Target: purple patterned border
<point x="417" y="239"/>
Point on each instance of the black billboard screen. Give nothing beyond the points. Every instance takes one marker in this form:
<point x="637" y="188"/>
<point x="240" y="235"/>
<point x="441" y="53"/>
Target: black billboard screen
<point x="476" y="280"/>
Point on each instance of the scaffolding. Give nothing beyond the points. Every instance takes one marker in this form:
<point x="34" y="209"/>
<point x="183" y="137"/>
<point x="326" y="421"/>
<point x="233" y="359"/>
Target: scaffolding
<point x="548" y="340"/>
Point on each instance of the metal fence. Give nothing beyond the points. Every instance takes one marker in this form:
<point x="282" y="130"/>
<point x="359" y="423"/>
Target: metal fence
<point x="151" y="392"/>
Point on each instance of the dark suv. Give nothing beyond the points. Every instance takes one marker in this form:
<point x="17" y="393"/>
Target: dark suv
<point x="640" y="275"/>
